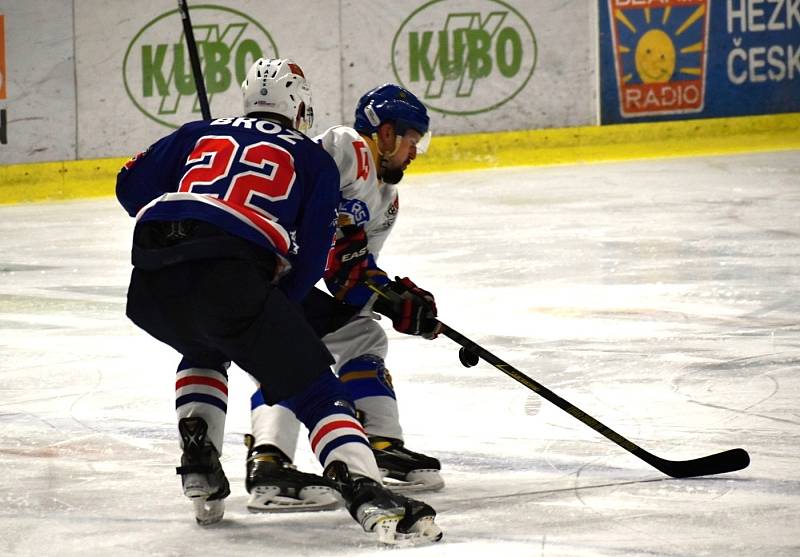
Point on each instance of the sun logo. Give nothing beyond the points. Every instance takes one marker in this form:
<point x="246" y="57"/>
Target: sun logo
<point x="655" y="57"/>
<point x="660" y="55"/>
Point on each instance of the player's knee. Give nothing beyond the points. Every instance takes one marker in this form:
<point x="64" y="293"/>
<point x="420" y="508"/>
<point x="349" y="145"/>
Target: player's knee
<point x="367" y="376"/>
<point x="326" y="396"/>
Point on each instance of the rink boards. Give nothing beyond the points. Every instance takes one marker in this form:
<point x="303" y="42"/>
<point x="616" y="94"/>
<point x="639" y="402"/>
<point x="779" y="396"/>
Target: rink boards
<point x="507" y="82"/>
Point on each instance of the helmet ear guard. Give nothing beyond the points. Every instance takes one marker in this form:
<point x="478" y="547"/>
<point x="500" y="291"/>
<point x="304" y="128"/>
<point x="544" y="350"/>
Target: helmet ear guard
<point x="372" y="116"/>
<point x="278" y="86"/>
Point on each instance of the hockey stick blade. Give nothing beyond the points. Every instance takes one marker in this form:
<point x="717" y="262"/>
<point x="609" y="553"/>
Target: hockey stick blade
<point x="719" y="463"/>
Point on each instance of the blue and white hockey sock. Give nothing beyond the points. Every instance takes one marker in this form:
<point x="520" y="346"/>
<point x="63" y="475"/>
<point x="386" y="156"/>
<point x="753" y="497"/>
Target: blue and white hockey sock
<point x="203" y="393"/>
<point x="273" y="425"/>
<point x="335" y="434"/>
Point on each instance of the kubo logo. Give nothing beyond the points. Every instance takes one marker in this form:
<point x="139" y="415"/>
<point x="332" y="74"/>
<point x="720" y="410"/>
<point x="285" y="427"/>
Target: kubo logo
<point x="464" y="57"/>
<point x="157" y="72"/>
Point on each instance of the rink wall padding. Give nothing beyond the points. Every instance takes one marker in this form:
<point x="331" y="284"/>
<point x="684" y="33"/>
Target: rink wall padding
<point x="613" y="143"/>
<point x="95" y="178"/>
<point x="93" y="79"/>
<point x="53" y="181"/>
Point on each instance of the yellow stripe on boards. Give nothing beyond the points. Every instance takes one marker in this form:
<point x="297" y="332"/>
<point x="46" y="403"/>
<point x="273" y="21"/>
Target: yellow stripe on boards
<point x="717" y="136"/>
<point x="54" y="181"/>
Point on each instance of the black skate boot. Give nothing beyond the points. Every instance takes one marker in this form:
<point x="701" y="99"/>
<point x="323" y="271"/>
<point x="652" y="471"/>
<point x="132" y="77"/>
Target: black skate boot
<point x="404" y="470"/>
<point x="275" y="485"/>
<point x="203" y="479"/>
<point x="394" y="518"/>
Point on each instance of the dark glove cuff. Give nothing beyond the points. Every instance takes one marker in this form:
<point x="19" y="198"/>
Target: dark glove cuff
<point x="385" y="307"/>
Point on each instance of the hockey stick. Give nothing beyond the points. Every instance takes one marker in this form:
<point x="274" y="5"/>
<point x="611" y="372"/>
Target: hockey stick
<point x="719" y="463"/>
<point x="194" y="58"/>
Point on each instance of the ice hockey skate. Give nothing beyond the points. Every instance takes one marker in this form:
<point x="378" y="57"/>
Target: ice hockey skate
<point x="276" y="486"/>
<point x="202" y="476"/>
<point x="393" y="518"/>
<point x="403" y="470"/>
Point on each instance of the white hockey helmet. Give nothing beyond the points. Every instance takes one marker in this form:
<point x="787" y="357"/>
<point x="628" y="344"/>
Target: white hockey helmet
<point x="278" y="86"/>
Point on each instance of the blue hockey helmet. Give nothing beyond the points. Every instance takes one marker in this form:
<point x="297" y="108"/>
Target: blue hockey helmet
<point x="391" y="103"/>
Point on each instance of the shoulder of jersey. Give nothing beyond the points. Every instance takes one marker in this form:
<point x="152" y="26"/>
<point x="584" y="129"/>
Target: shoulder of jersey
<point x="338" y="133"/>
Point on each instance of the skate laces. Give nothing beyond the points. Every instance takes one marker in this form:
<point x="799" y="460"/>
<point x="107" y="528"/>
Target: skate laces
<point x="199" y="454"/>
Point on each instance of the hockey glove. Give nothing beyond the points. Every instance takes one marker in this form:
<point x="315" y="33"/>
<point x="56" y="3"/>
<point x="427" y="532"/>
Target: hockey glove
<point x="347" y="258"/>
<point x="411" y="309"/>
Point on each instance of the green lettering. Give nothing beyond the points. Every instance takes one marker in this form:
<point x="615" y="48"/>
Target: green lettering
<point x="418" y="55"/>
<point x="451" y="66"/>
<point x="152" y="70"/>
<point x="479" y="63"/>
<point x="216" y="56"/>
<point x="509" y="46"/>
<point x="182" y="74"/>
<point x="247" y="52"/>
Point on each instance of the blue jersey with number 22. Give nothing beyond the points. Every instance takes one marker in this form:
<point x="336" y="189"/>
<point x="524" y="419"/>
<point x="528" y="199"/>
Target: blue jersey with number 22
<point x="253" y="178"/>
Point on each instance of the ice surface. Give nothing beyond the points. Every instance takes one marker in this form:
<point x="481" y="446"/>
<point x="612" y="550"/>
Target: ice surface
<point x="661" y="297"/>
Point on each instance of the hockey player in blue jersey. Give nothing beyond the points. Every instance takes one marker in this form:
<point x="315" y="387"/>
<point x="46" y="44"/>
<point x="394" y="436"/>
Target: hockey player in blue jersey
<point x="391" y="126"/>
<point x="234" y="222"/>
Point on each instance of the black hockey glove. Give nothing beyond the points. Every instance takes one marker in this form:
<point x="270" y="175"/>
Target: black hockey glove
<point x="411" y="309"/>
<point x="348" y="258"/>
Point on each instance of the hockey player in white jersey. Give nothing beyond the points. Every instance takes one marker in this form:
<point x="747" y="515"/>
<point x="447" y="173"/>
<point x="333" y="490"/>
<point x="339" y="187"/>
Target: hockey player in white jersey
<point x="391" y="127"/>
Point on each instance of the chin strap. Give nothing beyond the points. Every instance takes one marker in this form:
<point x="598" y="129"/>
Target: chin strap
<point x="396" y="148"/>
<point x="389" y="175"/>
<point x="380" y="156"/>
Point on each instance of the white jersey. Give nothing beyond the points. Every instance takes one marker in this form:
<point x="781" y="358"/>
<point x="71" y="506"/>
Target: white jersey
<point x="366" y="200"/>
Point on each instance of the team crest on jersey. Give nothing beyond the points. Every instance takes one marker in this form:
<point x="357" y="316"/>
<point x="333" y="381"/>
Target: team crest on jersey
<point x="353" y="211"/>
<point x="391" y="213"/>
<point x="132" y="161"/>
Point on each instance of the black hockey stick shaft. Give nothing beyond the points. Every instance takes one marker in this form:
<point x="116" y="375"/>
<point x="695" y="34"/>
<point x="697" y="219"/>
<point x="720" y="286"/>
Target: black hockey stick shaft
<point x="719" y="463"/>
<point x="194" y="58"/>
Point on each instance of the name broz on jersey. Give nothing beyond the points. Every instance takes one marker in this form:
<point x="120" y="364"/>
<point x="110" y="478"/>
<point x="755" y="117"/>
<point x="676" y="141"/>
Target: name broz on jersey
<point x="264" y="126"/>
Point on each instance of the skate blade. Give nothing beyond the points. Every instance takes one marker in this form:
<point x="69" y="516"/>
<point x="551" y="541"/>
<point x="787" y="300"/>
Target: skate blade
<point x="208" y="512"/>
<point x="267" y="499"/>
<point x="416" y="481"/>
<point x="423" y="531"/>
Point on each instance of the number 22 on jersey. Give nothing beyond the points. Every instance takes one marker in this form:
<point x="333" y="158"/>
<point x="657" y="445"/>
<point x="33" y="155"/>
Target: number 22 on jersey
<point x="270" y="180"/>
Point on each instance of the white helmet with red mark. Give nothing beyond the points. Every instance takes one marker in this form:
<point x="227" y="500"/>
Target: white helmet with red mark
<point x="278" y="86"/>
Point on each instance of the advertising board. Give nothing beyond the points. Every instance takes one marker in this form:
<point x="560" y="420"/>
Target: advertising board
<point x="37" y="82"/>
<point x="679" y="59"/>
<point x="134" y="77"/>
<point x="479" y="65"/>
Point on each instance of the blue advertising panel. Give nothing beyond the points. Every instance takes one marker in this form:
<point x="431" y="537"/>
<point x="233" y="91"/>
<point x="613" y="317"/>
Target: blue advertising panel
<point x="682" y="59"/>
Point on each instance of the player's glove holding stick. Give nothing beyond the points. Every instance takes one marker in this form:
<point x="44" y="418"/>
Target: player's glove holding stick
<point x="348" y="258"/>
<point x="411" y="309"/>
